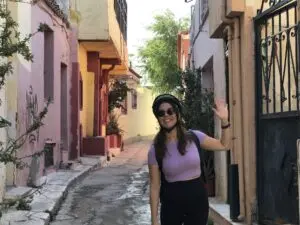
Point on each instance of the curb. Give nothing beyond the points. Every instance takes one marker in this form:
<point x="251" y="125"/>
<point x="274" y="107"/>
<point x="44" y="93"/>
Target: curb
<point x="48" y="200"/>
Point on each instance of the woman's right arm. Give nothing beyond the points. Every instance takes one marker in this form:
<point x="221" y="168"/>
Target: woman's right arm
<point x="154" y="192"/>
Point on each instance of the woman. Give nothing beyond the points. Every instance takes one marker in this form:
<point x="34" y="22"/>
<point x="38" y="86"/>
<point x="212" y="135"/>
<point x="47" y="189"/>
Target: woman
<point x="184" y="198"/>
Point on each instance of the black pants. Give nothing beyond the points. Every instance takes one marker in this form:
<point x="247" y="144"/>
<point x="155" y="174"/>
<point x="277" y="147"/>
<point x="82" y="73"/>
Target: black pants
<point x="184" y="202"/>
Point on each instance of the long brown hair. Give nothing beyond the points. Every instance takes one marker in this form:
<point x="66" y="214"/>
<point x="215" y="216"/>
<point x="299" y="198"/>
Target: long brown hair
<point x="161" y="138"/>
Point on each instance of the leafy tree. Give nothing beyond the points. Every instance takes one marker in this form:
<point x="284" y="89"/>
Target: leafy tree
<point x="10" y="44"/>
<point x="117" y="94"/>
<point x="159" y="54"/>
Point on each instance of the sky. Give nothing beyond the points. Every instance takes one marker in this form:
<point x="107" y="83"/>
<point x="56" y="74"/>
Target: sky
<point x="140" y="15"/>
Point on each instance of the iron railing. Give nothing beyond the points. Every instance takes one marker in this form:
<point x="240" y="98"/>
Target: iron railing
<point x="121" y="13"/>
<point x="267" y="6"/>
<point x="277" y="47"/>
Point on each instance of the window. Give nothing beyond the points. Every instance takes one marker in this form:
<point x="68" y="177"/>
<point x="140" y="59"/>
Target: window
<point x="49" y="64"/>
<point x="134" y="99"/>
<point x="124" y="107"/>
<point x="204" y="10"/>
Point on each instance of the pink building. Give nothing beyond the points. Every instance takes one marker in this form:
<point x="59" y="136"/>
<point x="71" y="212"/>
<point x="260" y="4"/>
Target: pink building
<point x="53" y="74"/>
<point x="183" y="45"/>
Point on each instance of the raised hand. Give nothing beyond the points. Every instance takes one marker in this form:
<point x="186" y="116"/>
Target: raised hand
<point x="221" y="110"/>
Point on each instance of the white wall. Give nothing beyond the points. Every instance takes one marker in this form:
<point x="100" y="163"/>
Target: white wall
<point x="139" y="122"/>
<point x="202" y="51"/>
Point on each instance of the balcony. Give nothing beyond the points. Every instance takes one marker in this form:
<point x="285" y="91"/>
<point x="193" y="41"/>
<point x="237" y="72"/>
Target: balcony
<point x="216" y="11"/>
<point x="103" y="28"/>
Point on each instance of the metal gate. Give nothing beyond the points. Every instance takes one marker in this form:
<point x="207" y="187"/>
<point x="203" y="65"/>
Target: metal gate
<point x="278" y="119"/>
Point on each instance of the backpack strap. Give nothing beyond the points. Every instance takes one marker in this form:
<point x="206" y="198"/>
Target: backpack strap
<point x="197" y="143"/>
<point x="163" y="180"/>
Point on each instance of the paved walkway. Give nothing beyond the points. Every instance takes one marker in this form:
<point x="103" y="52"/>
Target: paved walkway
<point x="117" y="194"/>
<point x="46" y="200"/>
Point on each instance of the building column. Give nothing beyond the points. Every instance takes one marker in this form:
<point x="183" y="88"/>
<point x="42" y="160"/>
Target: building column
<point x="74" y="113"/>
<point x="105" y="89"/>
<point x="103" y="95"/>
<point x="74" y="97"/>
<point x="93" y="65"/>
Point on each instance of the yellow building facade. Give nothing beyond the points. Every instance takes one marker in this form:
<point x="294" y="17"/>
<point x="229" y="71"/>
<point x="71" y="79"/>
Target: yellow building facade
<point x="102" y="32"/>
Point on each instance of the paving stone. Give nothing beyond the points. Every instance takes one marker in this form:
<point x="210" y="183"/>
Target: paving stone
<point x="17" y="192"/>
<point x="24" y="218"/>
<point x="46" y="201"/>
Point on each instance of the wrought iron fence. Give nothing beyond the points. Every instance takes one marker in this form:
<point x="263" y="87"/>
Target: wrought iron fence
<point x="269" y="5"/>
<point x="277" y="50"/>
<point x="278" y="61"/>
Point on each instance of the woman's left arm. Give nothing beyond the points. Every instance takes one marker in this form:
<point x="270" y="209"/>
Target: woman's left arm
<point x="209" y="143"/>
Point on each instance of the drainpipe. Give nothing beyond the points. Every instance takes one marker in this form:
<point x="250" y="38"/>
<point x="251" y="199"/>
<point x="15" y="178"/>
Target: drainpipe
<point x="234" y="50"/>
<point x="298" y="141"/>
<point x="228" y="34"/>
<point x="237" y="98"/>
<point x="233" y="181"/>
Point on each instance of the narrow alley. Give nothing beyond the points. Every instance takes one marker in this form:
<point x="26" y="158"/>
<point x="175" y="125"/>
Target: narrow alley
<point x="86" y="84"/>
<point x="116" y="194"/>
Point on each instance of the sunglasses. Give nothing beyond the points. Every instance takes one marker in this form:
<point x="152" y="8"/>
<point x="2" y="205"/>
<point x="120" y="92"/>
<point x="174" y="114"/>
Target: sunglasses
<point x="162" y="113"/>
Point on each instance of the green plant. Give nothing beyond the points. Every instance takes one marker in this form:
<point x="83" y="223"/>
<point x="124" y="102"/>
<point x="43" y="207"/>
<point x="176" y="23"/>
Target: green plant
<point x="198" y="113"/>
<point x="158" y="55"/>
<point x="117" y="94"/>
<point x="198" y="103"/>
<point x="11" y="44"/>
<point x="210" y="221"/>
<point x="113" y="125"/>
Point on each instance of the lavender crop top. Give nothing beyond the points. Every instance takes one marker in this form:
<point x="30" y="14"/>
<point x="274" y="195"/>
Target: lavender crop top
<point x="177" y="167"/>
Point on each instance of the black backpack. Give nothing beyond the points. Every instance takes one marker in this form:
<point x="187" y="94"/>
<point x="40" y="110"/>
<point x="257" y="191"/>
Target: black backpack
<point x="202" y="177"/>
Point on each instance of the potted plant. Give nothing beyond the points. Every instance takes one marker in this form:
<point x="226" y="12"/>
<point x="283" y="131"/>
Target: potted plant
<point x="113" y="131"/>
<point x="117" y="94"/>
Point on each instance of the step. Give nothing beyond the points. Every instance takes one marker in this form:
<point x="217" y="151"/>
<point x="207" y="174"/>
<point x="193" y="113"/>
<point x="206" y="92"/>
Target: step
<point x="17" y="192"/>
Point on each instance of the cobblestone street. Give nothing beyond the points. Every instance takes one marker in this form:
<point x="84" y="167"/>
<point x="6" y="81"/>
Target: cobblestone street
<point x="116" y="194"/>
